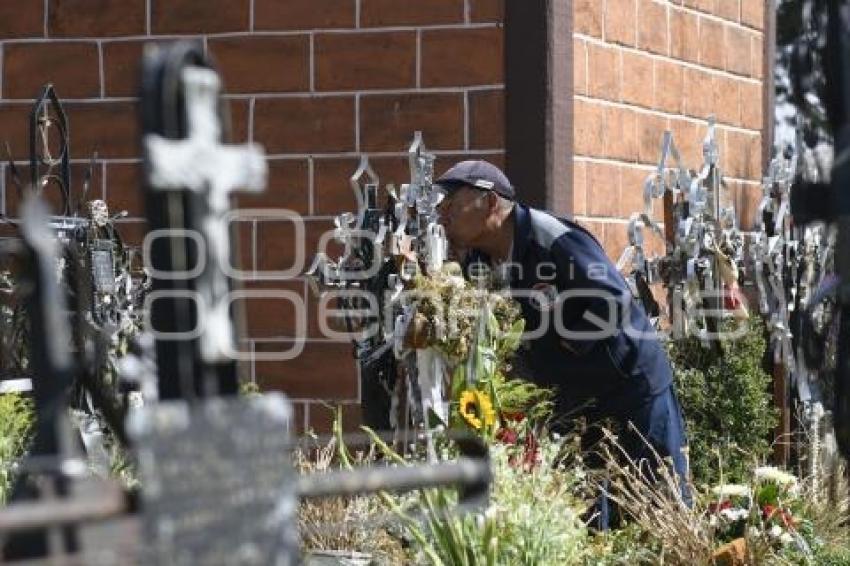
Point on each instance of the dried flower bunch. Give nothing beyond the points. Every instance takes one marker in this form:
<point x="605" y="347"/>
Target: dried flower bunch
<point x="450" y="311"/>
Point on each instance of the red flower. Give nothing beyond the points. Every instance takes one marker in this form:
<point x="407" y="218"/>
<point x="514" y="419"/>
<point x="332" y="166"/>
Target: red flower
<point x="532" y="451"/>
<point x="507" y="435"/>
<point x="767" y="511"/>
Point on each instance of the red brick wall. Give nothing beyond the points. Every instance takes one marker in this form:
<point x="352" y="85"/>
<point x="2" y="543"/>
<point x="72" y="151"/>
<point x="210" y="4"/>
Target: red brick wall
<point x="315" y="81"/>
<point x="643" y="66"/>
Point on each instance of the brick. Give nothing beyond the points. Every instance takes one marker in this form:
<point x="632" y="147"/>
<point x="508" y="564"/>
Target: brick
<point x="727" y="100"/>
<point x="579" y="67"/>
<point x="684" y="35"/>
<point x="650" y="134"/>
<point x="487" y="10"/>
<point x="702" y="5"/>
<point x="320" y="417"/>
<point x="72" y="67"/>
<point x="669" y="86"/>
<point x="752" y="105"/>
<point x="711" y="43"/>
<point x="305" y="124"/>
<point x="446" y="160"/>
<point x="322" y="371"/>
<point x="587" y="17"/>
<point x="579" y="187"/>
<point x="637" y="79"/>
<point x="743" y="156"/>
<point x="21" y="19"/>
<point x="688" y="139"/>
<point x="274" y="317"/>
<point x="354" y="61"/>
<point x="699" y="100"/>
<point x="190" y="16"/>
<point x="332" y="192"/>
<point x="603" y="188"/>
<point x="631" y="191"/>
<point x="750" y="197"/>
<point x="387" y="122"/>
<point x="622" y="142"/>
<point x="616" y="239"/>
<point x="124" y="189"/>
<point x="482" y="61"/>
<point x="487" y="119"/>
<point x="303" y="14"/>
<point x="652" y="27"/>
<point x="752" y="13"/>
<point x="281" y="249"/>
<point x="14" y="130"/>
<point x="262" y="63"/>
<point x="620" y="24"/>
<point x="239" y="117"/>
<point x="603" y="69"/>
<point x="96" y="18"/>
<point x="737" y="48"/>
<point x="590" y="129"/>
<point x="109" y="128"/>
<point x="122" y="67"/>
<point x="379" y="13"/>
<point x="728" y="10"/>
<point x="288" y="187"/>
<point x="757" y="49"/>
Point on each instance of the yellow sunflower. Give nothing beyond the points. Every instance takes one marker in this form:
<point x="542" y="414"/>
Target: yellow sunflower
<point x="477" y="409"/>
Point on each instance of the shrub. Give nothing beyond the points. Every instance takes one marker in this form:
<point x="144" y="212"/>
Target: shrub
<point x="16" y="419"/>
<point x="726" y="400"/>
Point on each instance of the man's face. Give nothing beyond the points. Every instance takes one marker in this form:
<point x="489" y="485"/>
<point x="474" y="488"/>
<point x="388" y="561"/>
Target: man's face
<point x="463" y="213"/>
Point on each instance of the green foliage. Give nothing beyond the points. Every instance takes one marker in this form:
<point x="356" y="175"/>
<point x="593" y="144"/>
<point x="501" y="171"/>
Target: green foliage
<point x="727" y="405"/>
<point x="16" y="420"/>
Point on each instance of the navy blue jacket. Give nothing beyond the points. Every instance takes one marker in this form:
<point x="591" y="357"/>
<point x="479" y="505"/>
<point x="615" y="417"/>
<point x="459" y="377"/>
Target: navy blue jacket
<point x="558" y="268"/>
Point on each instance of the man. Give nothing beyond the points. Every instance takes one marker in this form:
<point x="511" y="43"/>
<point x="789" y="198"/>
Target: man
<point x="595" y="346"/>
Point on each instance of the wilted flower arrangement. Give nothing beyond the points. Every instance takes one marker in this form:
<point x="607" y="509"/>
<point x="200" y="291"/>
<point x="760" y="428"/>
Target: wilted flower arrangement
<point x="767" y="512"/>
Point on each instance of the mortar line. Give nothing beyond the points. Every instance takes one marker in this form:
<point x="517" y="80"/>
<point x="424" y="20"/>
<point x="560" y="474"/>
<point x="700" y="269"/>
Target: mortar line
<point x="662" y="114"/>
<point x="357" y="14"/>
<point x="418" y="59"/>
<point x="3" y="185"/>
<point x="357" y="122"/>
<point x="467" y="17"/>
<point x="589" y="39"/>
<point x="312" y="62"/>
<point x="311" y="186"/>
<point x="103" y="184"/>
<point x="251" y="15"/>
<point x="1" y="70"/>
<point x="251" y="104"/>
<point x="46" y="9"/>
<point x="147" y="17"/>
<point x="270" y="33"/>
<point x="466" y="121"/>
<point x="100" y="69"/>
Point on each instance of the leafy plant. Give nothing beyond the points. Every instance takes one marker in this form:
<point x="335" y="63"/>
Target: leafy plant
<point x="16" y="420"/>
<point x="726" y="403"/>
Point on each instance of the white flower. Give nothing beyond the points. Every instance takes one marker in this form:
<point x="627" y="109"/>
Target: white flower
<point x="775" y="475"/>
<point x="775" y="531"/>
<point x="734" y="514"/>
<point x="786" y="538"/>
<point x="731" y="490"/>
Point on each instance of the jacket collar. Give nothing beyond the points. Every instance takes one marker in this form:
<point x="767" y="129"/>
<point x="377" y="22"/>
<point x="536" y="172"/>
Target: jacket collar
<point x="522" y="231"/>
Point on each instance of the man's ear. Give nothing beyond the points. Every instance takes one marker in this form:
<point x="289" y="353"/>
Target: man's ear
<point x="492" y="202"/>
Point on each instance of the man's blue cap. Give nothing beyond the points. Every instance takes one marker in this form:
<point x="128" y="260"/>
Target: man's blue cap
<point x="478" y="174"/>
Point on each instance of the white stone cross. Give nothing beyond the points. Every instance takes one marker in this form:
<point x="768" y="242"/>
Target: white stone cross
<point x="202" y="164"/>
